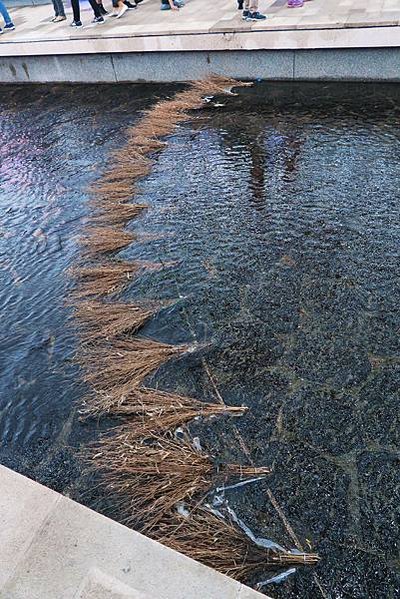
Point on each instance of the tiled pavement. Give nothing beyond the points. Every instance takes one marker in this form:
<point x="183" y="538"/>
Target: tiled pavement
<point x="206" y="17"/>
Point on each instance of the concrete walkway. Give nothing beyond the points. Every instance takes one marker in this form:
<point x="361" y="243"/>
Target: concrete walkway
<point x="320" y="23"/>
<point x="54" y="548"/>
<point x="325" y="39"/>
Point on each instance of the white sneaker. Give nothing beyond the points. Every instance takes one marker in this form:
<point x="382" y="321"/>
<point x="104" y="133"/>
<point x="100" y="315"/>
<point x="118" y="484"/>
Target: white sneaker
<point x="122" y="11"/>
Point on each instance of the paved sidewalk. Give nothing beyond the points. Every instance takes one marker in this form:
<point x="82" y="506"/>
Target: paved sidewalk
<point x="206" y="16"/>
<point x="54" y="548"/>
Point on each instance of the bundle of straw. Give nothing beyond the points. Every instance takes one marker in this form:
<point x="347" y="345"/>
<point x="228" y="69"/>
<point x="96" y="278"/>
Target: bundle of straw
<point x="109" y="320"/>
<point x="103" y="279"/>
<point x="219" y="544"/>
<point x="121" y="366"/>
<point x="158" y="473"/>
<point x="104" y="240"/>
<point x="116" y="213"/>
<point x="151" y="410"/>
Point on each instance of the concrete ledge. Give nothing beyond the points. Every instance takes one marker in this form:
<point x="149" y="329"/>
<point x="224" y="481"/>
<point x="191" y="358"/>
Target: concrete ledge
<point x="373" y="64"/>
<point x="90" y="41"/>
<point x="54" y="548"/>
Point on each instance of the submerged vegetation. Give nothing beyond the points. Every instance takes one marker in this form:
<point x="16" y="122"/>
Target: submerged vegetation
<point x="161" y="479"/>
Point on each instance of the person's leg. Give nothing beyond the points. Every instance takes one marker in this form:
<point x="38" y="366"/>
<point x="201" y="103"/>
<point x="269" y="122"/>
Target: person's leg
<point x="253" y="6"/>
<point x="59" y="8"/>
<point x="76" y="11"/>
<point x="95" y="8"/>
<point x="103" y="11"/>
<point x="4" y="13"/>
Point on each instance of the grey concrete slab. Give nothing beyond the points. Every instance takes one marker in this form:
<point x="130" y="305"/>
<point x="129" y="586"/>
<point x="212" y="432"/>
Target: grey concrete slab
<point x="361" y="64"/>
<point x="167" y="66"/>
<point x="54" y="548"/>
<point x="96" y="68"/>
<point x="24" y="507"/>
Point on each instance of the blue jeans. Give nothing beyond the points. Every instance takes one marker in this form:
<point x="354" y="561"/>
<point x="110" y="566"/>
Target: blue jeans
<point x="58" y="8"/>
<point x="4" y="14"/>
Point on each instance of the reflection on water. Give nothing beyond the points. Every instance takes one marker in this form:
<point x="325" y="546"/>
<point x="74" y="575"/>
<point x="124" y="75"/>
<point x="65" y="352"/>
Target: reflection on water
<point x="281" y="211"/>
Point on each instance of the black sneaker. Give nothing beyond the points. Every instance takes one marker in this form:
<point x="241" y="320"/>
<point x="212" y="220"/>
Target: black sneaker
<point x="255" y="16"/>
<point x="246" y="14"/>
<point x="76" y="24"/>
<point x="129" y="4"/>
<point x="138" y="2"/>
<point x="240" y="4"/>
<point x="103" y="11"/>
<point x="98" y="20"/>
<point x="9" y="27"/>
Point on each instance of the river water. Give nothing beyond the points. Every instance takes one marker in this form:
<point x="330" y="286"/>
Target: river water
<point x="281" y="211"/>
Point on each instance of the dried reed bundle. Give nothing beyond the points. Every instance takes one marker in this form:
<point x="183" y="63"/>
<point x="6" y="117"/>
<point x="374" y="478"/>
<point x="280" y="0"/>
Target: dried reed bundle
<point x="104" y="279"/>
<point x="121" y="366"/>
<point x="158" y="473"/>
<point x="117" y="214"/>
<point x="100" y="320"/>
<point x="104" y="240"/>
<point x="153" y="411"/>
<point x="219" y="544"/>
<point x="143" y="145"/>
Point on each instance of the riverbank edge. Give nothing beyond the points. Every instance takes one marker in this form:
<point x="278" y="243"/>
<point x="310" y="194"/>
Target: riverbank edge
<point x="340" y="64"/>
<point x="55" y="547"/>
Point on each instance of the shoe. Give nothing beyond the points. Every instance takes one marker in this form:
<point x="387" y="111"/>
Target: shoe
<point x="103" y="11"/>
<point x="76" y="24"/>
<point x="9" y="27"/>
<point x="246" y="13"/>
<point x="138" y="2"/>
<point x="122" y="11"/>
<point x="98" y="20"/>
<point x="240" y="4"/>
<point x="295" y="3"/>
<point x="59" y="18"/>
<point x="1" y="31"/>
<point x="129" y="4"/>
<point x="256" y="16"/>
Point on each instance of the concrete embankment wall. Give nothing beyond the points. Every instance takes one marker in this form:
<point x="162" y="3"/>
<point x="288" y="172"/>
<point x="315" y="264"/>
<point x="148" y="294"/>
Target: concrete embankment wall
<point x="348" y="64"/>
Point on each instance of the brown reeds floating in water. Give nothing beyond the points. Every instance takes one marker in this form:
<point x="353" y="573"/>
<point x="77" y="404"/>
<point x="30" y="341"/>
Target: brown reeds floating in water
<point x="117" y="214"/>
<point x="150" y="474"/>
<point x="104" y="279"/>
<point x="121" y="366"/>
<point x="152" y="411"/>
<point x="109" y="320"/>
<point x="219" y="544"/>
<point x="156" y="474"/>
<point x="104" y="240"/>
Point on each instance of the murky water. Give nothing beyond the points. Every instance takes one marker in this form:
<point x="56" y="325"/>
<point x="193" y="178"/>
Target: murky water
<point x="281" y="209"/>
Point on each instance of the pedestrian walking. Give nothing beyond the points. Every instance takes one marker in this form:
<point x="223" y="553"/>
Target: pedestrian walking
<point x="171" y="4"/>
<point x="250" y="12"/>
<point x="98" y="18"/>
<point x="9" y="25"/>
<point x="59" y="12"/>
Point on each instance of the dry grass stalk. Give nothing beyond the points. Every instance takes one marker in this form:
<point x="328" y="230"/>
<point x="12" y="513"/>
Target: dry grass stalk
<point x="104" y="279"/>
<point x="109" y="320"/>
<point x="158" y="473"/>
<point x="207" y="538"/>
<point x="104" y="240"/>
<point x="122" y="366"/>
<point x="151" y="410"/>
<point x="117" y="214"/>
